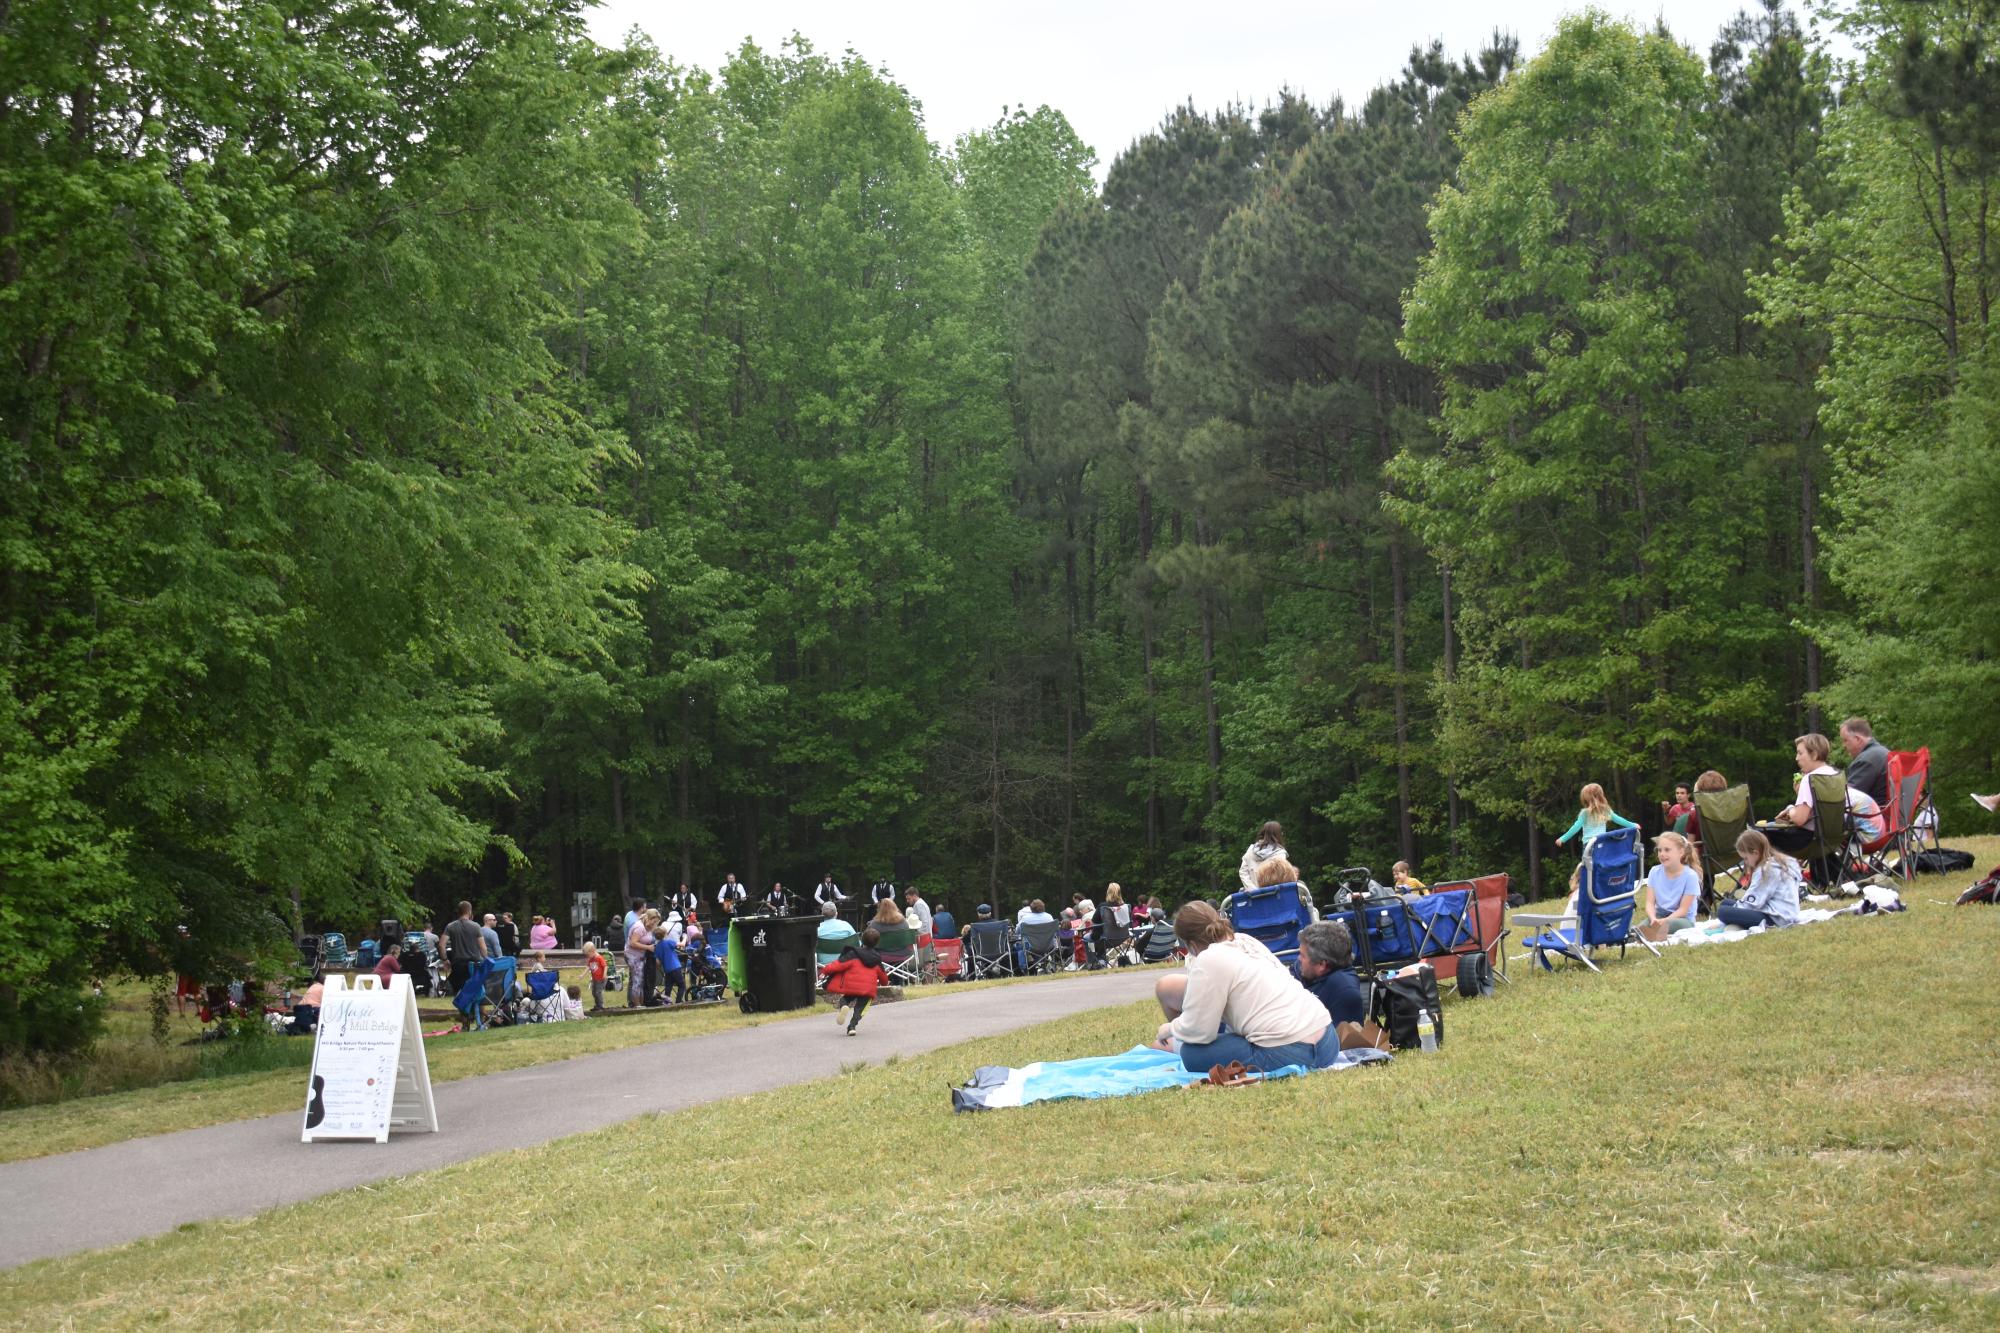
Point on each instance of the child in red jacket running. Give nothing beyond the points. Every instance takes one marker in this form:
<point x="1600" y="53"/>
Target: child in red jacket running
<point x="854" y="976"/>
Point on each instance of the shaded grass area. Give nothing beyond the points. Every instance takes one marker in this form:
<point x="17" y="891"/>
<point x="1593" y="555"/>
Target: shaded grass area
<point x="1789" y="1131"/>
<point x="167" y="1090"/>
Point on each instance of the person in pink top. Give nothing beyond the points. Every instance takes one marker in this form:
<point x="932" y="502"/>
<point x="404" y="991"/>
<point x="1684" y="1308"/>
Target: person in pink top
<point x="542" y="934"/>
<point x="390" y="964"/>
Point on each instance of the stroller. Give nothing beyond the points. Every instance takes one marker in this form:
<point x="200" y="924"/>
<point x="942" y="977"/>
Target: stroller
<point x="703" y="972"/>
<point x="420" y="959"/>
<point x="312" y="954"/>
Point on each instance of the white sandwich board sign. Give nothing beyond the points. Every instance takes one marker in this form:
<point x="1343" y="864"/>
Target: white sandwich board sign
<point x="369" y="1075"/>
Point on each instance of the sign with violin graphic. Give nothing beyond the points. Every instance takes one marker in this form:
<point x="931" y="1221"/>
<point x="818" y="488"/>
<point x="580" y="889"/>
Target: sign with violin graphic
<point x="369" y="1075"/>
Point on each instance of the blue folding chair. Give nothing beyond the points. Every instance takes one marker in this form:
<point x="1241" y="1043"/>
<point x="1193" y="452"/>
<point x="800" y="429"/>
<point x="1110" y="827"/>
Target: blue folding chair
<point x="1274" y="914"/>
<point x="542" y="984"/>
<point x="471" y="997"/>
<point x="1607" y="894"/>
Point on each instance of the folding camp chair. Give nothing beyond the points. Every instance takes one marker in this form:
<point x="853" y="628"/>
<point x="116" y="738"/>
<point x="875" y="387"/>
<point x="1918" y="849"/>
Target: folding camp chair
<point x="1833" y="846"/>
<point x="1724" y="816"/>
<point x="1895" y="851"/>
<point x="950" y="957"/>
<point x="335" y="945"/>
<point x="832" y="937"/>
<point x="1923" y="817"/>
<point x="472" y="998"/>
<point x="1607" y="894"/>
<point x="1159" y="944"/>
<point x="1037" y="941"/>
<point x="898" y="951"/>
<point x="541" y="988"/>
<point x="989" y="951"/>
<point x="1113" y="938"/>
<point x="1274" y="915"/>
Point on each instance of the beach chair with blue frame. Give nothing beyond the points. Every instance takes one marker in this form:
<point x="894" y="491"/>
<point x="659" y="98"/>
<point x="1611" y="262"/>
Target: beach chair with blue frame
<point x="1273" y="915"/>
<point x="1607" y="897"/>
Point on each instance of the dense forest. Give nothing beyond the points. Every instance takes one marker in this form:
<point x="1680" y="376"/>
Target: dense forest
<point x="445" y="457"/>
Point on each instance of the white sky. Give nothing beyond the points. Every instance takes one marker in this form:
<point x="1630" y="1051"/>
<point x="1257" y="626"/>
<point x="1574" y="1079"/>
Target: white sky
<point x="1116" y="68"/>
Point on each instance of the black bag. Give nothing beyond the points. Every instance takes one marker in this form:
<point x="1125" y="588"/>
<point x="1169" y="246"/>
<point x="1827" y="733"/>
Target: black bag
<point x="1475" y="976"/>
<point x="1399" y="1000"/>
<point x="1944" y="861"/>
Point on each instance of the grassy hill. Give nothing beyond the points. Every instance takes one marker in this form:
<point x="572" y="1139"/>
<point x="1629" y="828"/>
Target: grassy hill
<point x="1796" y="1130"/>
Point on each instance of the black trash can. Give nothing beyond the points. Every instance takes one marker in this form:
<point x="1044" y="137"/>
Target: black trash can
<point x="779" y="964"/>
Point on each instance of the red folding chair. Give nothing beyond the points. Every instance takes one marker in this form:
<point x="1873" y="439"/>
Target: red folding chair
<point x="949" y="956"/>
<point x="1909" y="797"/>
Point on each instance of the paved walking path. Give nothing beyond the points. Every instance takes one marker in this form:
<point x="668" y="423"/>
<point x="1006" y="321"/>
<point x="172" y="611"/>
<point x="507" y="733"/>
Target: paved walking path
<point x="126" y="1191"/>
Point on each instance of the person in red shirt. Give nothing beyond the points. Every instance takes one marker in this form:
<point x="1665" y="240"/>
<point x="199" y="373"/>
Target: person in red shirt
<point x="594" y="960"/>
<point x="1682" y="807"/>
<point x="390" y="963"/>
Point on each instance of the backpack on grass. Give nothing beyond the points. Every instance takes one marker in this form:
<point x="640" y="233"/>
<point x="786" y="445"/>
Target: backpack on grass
<point x="1398" y="1002"/>
<point x="1985" y="891"/>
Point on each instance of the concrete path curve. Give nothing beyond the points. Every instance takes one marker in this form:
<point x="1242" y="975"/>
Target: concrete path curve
<point x="127" y="1191"/>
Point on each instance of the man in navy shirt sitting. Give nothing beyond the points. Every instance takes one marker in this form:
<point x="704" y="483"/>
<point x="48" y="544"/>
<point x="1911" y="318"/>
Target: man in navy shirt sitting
<point x="1326" y="968"/>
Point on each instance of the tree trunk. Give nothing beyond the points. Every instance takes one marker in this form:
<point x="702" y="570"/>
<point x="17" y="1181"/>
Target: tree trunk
<point x="1152" y="686"/>
<point x="1069" y="793"/>
<point x="686" y="779"/>
<point x="1450" y="674"/>
<point x="1809" y="563"/>
<point x="1534" y="854"/>
<point x="1534" y="833"/>
<point x="618" y="825"/>
<point x="558" y="847"/>
<point x="1950" y="260"/>
<point x="1405" y="834"/>
<point x="1214" y="721"/>
<point x="993" y="804"/>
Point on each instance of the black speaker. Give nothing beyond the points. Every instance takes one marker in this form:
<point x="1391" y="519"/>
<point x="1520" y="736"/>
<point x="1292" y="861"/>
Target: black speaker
<point x="392" y="929"/>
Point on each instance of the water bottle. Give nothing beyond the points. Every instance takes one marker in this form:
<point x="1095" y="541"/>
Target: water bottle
<point x="1427" y="1036"/>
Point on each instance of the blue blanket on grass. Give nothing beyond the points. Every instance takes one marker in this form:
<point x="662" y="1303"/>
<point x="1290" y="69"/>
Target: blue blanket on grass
<point x="1141" y="1069"/>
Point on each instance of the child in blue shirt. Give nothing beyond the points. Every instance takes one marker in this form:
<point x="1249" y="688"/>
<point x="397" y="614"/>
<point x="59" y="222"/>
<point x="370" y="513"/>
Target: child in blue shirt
<point x="1673" y="887"/>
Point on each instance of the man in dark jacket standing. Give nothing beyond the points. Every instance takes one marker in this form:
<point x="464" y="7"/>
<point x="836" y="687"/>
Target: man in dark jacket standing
<point x="1867" y="759"/>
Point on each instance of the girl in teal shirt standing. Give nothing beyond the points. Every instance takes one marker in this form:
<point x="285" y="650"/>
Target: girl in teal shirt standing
<point x="1595" y="816"/>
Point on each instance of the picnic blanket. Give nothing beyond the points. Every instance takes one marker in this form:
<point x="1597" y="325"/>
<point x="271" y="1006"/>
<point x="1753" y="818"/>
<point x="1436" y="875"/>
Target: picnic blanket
<point x="1141" y="1069"/>
<point x="1874" y="902"/>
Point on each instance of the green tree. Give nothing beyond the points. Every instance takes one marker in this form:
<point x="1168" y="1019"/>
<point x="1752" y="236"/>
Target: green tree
<point x="1575" y="496"/>
<point x="1900" y="270"/>
<point x="293" y="482"/>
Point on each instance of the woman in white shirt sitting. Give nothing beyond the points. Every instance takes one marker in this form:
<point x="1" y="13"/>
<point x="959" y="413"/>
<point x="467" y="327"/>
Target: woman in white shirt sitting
<point x="1236" y="1001"/>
